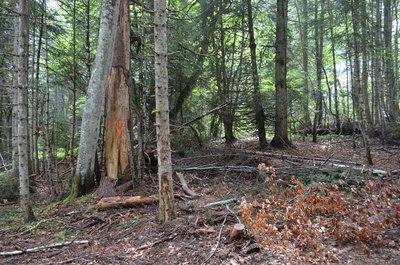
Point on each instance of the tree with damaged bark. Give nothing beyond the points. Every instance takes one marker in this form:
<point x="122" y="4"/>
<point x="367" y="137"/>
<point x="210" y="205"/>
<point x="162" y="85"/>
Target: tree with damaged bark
<point x="166" y="210"/>
<point x="94" y="108"/>
<point x="117" y="132"/>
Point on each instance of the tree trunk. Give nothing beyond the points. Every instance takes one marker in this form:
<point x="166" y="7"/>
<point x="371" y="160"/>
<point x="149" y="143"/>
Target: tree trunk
<point x="365" y="61"/>
<point x="94" y="108"/>
<point x="48" y="154"/>
<point x="256" y="80"/>
<point x="166" y="209"/>
<point x="304" y="37"/>
<point x="335" y="79"/>
<point x="392" y="100"/>
<point x="363" y="124"/>
<point x="118" y="143"/>
<point x="319" y="47"/>
<point x="74" y="85"/>
<point x="21" y="99"/>
<point x="281" y="102"/>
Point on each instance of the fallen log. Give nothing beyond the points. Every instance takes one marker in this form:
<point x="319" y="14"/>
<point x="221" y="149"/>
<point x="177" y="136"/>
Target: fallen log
<point x="125" y="201"/>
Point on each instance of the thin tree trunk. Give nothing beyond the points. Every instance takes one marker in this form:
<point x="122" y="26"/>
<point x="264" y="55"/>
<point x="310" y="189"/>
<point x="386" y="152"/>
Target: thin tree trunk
<point x="319" y="46"/>
<point x="363" y="124"/>
<point x="256" y="80"/>
<point x="166" y="209"/>
<point x="335" y="79"/>
<point x="47" y="147"/>
<point x="21" y="100"/>
<point x="74" y="85"/>
<point x="365" y="61"/>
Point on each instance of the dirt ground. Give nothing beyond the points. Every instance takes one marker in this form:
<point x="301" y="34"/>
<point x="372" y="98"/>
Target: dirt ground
<point x="198" y="234"/>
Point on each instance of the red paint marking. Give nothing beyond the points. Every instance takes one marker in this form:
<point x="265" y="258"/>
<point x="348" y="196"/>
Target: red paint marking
<point x="119" y="126"/>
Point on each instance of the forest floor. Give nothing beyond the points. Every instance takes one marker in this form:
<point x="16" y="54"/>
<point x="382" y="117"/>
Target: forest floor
<point x="77" y="233"/>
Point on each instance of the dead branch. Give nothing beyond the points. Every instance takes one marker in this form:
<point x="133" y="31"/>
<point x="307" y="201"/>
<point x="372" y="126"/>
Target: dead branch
<point x="36" y="249"/>
<point x="121" y="189"/>
<point x="244" y="169"/>
<point x="185" y="187"/>
<point x="211" y="204"/>
<point x="217" y="244"/>
<point x="207" y="113"/>
<point x="149" y="245"/>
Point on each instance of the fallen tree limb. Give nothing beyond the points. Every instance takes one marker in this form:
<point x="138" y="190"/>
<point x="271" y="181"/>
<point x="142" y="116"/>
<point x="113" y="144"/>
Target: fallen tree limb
<point x="316" y="161"/>
<point x="149" y="245"/>
<point x="125" y="201"/>
<point x="121" y="189"/>
<point x="300" y="158"/>
<point x="35" y="249"/>
<point x="214" y="249"/>
<point x="211" y="204"/>
<point x="245" y="169"/>
<point x="185" y="187"/>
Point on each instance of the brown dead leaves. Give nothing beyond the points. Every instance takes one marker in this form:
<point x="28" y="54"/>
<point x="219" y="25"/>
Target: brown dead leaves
<point x="298" y="221"/>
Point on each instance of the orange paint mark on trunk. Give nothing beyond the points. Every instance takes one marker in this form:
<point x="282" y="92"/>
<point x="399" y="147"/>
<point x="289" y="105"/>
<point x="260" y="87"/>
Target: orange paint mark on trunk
<point x="119" y="126"/>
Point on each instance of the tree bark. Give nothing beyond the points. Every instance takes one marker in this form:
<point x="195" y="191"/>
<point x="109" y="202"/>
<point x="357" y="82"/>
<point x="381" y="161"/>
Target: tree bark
<point x="117" y="122"/>
<point x="281" y="102"/>
<point x="94" y="108"/>
<point x="125" y="201"/>
<point x="21" y="99"/>
<point x="256" y="80"/>
<point x="166" y="209"/>
<point x="319" y="42"/>
<point x="392" y="100"/>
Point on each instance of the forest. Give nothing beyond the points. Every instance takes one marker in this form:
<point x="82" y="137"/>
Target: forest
<point x="199" y="132"/>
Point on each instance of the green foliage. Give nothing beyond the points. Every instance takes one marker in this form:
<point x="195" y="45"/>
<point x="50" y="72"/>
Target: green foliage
<point x="131" y="222"/>
<point x="60" y="236"/>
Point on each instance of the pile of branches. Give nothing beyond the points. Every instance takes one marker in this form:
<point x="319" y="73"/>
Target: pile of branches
<point x="296" y="221"/>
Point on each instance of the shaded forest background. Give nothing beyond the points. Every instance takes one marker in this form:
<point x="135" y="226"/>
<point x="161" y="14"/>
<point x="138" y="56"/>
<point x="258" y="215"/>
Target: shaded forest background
<point x="342" y="74"/>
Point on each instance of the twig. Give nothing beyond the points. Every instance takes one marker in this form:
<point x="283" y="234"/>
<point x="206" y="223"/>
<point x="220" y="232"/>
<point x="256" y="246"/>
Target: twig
<point x="218" y="241"/>
<point x="211" y="204"/>
<point x="149" y="245"/>
<point x="35" y="249"/>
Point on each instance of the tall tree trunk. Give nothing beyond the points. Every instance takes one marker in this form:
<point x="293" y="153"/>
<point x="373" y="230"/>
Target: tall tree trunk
<point x="363" y="124"/>
<point x="256" y="80"/>
<point x="392" y="100"/>
<point x="319" y="46"/>
<point x="21" y="100"/>
<point x="335" y="79"/>
<point x="94" y="108"/>
<point x="87" y="41"/>
<point x="166" y="209"/>
<point x="74" y="85"/>
<point x="365" y="61"/>
<point x="281" y="101"/>
<point x="118" y="143"/>
<point x="304" y="49"/>
<point x="48" y="154"/>
<point x="378" y="98"/>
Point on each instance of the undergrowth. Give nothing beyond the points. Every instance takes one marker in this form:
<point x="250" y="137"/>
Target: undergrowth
<point x="296" y="222"/>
